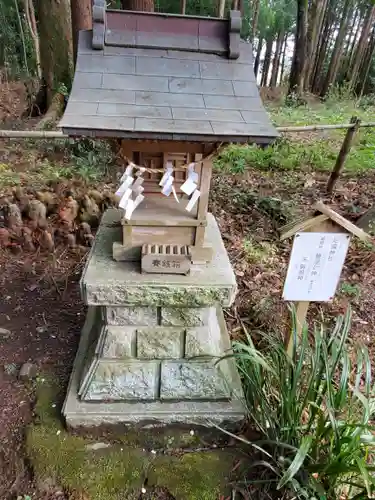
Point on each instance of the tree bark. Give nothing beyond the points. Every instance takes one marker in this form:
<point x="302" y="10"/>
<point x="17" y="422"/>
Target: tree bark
<point x="370" y="16"/>
<point x="330" y="78"/>
<point x="221" y="8"/>
<point x="283" y="59"/>
<point x="138" y="5"/>
<point x="276" y="58"/>
<point x="31" y="22"/>
<point x="183" y="7"/>
<point x="325" y="37"/>
<point x="256" y="8"/>
<point x="267" y="61"/>
<point x="56" y="51"/>
<point x="315" y="25"/>
<point x="366" y="66"/>
<point x="81" y="20"/>
<point x="257" y="57"/>
<point x="354" y="42"/>
<point x="297" y="72"/>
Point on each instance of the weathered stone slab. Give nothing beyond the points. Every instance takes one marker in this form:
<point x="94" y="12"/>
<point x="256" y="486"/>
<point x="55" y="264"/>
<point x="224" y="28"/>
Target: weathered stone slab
<point x="118" y="342"/>
<point x="111" y="283"/>
<point x="115" y="381"/>
<point x="184" y="316"/>
<point x="200" y="341"/>
<point x="141" y="316"/>
<point x="160" y="343"/>
<point x="192" y="380"/>
<point x="148" y="414"/>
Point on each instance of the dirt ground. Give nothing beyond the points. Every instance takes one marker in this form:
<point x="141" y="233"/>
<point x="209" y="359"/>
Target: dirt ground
<point x="41" y="313"/>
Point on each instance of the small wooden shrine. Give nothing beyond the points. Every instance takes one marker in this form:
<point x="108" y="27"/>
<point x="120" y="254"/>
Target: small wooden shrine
<point x="173" y="88"/>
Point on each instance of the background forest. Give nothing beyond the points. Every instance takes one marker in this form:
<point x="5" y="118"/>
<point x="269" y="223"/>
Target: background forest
<point x="300" y="45"/>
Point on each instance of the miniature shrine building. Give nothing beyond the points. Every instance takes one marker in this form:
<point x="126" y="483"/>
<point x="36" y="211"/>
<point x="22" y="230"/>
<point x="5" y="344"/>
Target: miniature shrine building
<point x="174" y="89"/>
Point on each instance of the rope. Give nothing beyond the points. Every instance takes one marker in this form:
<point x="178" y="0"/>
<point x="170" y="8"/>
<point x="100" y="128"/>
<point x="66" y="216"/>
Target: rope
<point x="143" y="168"/>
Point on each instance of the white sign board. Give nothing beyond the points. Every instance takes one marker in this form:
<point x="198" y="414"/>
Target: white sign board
<point x="315" y="266"/>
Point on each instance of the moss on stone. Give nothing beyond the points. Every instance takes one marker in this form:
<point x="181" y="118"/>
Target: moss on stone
<point x="118" y="472"/>
<point x="193" y="476"/>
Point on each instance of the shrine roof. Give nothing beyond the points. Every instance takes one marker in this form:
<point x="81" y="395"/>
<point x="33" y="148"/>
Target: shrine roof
<point x="161" y="76"/>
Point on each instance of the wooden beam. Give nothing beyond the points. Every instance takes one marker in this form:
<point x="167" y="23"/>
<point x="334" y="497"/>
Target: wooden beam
<point x="341" y="221"/>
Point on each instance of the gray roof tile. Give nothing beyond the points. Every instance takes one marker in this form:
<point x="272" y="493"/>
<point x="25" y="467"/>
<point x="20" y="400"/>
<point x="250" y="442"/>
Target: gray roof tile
<point x="167" y="67"/>
<point x="220" y="115"/>
<point x="169" y="99"/>
<point x="174" y="126"/>
<point x="135" y="82"/>
<point x="195" y="86"/>
<point x="163" y="93"/>
<point x="108" y="109"/>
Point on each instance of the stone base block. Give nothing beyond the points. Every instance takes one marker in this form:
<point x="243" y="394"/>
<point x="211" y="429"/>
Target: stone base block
<point x="145" y="414"/>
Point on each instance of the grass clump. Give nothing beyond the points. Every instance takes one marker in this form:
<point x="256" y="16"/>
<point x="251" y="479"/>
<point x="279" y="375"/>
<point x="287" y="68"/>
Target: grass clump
<point x="313" y="415"/>
<point x="259" y="252"/>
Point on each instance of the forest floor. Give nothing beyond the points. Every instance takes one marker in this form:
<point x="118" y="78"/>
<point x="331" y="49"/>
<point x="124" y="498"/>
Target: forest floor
<point x="254" y="192"/>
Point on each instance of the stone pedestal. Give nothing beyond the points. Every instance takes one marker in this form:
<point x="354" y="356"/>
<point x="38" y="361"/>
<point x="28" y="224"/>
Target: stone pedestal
<point x="151" y="346"/>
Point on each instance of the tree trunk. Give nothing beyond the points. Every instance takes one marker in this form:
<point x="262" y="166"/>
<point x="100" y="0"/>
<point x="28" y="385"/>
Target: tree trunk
<point x="325" y="37"/>
<point x="330" y="78"/>
<point x="81" y="20"/>
<point x="267" y="61"/>
<point x="31" y="22"/>
<point x="370" y="16"/>
<point x="221" y="8"/>
<point x="351" y="31"/>
<point x="256" y="8"/>
<point x="297" y="72"/>
<point x="55" y="34"/>
<point x="257" y="57"/>
<point x="354" y="43"/>
<point x="276" y="58"/>
<point x="367" y="63"/>
<point x="138" y="5"/>
<point x="313" y="34"/>
<point x="283" y="59"/>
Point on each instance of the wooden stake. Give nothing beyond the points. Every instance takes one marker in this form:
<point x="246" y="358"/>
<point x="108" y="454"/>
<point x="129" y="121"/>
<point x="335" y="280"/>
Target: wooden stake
<point x="344" y="151"/>
<point x="301" y="313"/>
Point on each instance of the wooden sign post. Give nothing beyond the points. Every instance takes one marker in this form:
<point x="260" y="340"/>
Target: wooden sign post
<point x="319" y="249"/>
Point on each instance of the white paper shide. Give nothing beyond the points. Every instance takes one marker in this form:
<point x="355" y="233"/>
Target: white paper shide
<point x="315" y="266"/>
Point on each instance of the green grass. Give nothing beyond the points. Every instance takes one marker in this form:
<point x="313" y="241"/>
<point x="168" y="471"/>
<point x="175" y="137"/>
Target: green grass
<point x="313" y="151"/>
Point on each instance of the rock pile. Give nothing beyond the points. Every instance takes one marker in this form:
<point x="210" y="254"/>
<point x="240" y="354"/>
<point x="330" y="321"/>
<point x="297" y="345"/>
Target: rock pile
<point x="44" y="219"/>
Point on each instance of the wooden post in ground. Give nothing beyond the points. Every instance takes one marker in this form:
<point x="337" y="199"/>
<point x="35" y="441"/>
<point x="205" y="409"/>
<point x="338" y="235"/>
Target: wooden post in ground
<point x="344" y="151"/>
<point x="183" y="7"/>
